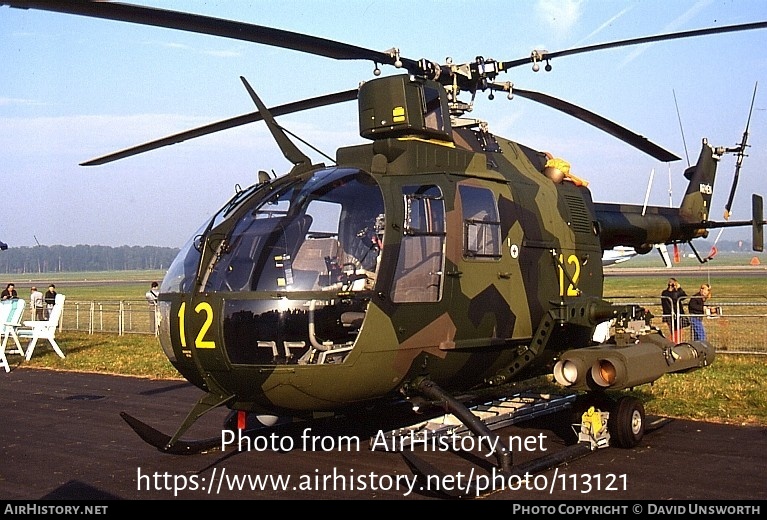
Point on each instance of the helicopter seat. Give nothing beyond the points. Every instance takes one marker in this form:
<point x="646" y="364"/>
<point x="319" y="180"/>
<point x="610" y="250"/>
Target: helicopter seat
<point x="237" y="269"/>
<point x="310" y="259"/>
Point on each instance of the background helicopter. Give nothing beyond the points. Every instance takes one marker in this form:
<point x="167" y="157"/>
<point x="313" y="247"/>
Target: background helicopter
<point x="435" y="260"/>
<point x="617" y="255"/>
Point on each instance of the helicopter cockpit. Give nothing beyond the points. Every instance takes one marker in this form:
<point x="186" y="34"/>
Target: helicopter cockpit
<point x="279" y="254"/>
<point x="305" y="235"/>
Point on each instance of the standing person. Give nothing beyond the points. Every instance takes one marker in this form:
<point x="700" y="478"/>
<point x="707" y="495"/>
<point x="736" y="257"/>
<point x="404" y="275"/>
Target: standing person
<point x="9" y="292"/>
<point x="152" y="295"/>
<point x="50" y="300"/>
<point x="36" y="303"/>
<point x="697" y="309"/>
<point x="673" y="307"/>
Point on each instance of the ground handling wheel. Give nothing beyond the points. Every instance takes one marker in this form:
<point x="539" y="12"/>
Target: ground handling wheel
<point x="627" y="422"/>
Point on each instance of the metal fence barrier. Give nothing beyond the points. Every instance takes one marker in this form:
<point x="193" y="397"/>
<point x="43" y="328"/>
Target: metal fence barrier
<point x="732" y="325"/>
<point x="111" y="316"/>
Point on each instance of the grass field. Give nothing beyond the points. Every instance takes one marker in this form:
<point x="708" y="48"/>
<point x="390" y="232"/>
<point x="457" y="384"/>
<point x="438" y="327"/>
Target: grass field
<point x="730" y="391"/>
<point x="87" y="286"/>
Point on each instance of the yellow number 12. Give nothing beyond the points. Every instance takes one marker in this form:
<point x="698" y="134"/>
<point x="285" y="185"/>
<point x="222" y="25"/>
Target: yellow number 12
<point x="199" y="341"/>
<point x="571" y="290"/>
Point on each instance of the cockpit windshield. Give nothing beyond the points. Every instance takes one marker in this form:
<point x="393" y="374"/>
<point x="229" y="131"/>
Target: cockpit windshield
<point x="320" y="233"/>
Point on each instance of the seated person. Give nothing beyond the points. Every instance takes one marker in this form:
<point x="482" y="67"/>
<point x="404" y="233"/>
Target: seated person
<point x="360" y="263"/>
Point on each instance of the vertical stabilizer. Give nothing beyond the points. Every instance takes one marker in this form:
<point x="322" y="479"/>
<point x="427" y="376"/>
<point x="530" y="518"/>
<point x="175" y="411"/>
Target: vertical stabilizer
<point x="757" y="222"/>
<point x="696" y="203"/>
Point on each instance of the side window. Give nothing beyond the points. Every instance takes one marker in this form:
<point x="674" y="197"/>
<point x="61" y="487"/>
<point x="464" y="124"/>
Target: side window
<point x="418" y="277"/>
<point x="481" y="225"/>
<point x="433" y="116"/>
<point x="325" y="217"/>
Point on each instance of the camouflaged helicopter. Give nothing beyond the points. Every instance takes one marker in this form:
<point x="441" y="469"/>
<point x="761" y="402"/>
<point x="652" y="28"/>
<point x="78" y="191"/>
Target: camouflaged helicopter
<point x="435" y="264"/>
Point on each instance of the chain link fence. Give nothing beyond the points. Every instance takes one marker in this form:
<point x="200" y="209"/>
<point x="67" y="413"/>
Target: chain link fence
<point x="732" y="325"/>
<point x="117" y="317"/>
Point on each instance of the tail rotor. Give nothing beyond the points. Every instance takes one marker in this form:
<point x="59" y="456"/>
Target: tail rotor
<point x="740" y="151"/>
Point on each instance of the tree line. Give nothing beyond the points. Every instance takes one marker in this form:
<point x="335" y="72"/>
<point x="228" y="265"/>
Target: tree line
<point x="59" y="259"/>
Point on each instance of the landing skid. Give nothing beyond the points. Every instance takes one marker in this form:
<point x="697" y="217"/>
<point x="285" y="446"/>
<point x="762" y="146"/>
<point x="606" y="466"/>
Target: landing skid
<point x="162" y="442"/>
<point x="174" y="444"/>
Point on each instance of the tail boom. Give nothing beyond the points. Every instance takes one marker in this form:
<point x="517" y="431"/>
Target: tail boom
<point x="643" y="227"/>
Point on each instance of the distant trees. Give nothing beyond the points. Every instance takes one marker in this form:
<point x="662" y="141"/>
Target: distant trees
<point x="55" y="259"/>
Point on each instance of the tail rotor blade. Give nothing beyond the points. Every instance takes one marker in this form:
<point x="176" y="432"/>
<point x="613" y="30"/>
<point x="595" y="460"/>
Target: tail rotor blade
<point x="741" y="153"/>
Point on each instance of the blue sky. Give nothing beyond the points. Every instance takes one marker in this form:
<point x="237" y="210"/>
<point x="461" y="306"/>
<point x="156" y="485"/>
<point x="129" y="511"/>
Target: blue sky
<point x="73" y="88"/>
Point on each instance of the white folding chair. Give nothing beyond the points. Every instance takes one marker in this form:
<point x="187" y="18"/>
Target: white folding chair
<point x="37" y="330"/>
<point x="11" y="314"/>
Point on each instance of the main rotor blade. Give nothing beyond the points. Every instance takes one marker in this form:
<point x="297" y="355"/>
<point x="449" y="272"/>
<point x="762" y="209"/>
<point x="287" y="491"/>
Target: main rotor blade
<point x="614" y="129"/>
<point x="214" y="26"/>
<point x="543" y="56"/>
<point x="312" y="44"/>
<point x="289" y="108"/>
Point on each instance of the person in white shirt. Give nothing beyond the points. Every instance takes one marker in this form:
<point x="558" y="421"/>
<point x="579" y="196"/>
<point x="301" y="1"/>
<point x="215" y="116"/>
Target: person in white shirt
<point x="152" y="295"/>
<point x="36" y="304"/>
